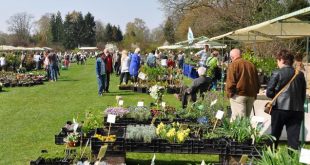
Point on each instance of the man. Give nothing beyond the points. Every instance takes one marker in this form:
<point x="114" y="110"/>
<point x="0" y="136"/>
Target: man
<point x="242" y="85"/>
<point x="109" y="68"/>
<point x="100" y="72"/>
<point x="203" y="54"/>
<point x="214" y="72"/>
<point x="200" y="84"/>
<point x="151" y="59"/>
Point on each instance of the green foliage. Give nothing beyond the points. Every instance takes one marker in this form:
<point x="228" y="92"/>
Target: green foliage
<point x="89" y="35"/>
<point x="92" y="120"/>
<point x="57" y="27"/>
<point x="139" y="113"/>
<point x="282" y="156"/>
<point x="169" y="31"/>
<point x="12" y="60"/>
<point x="141" y="132"/>
<point x="266" y="64"/>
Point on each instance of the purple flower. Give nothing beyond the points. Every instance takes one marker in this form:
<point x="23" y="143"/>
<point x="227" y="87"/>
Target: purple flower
<point x="118" y="111"/>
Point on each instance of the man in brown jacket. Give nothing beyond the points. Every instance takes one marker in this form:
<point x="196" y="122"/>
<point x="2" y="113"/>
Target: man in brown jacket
<point x="242" y="85"/>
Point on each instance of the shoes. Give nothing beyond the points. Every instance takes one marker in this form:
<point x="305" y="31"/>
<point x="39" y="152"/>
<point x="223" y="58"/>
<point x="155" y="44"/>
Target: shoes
<point x="107" y="91"/>
<point x="100" y="94"/>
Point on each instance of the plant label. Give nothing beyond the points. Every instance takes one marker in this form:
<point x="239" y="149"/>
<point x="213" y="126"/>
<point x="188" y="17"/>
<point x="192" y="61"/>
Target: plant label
<point x="203" y="162"/>
<point x="140" y="104"/>
<point x="213" y="102"/>
<point x="219" y="114"/>
<point x="142" y="76"/>
<point x="304" y="156"/>
<point x="163" y="62"/>
<point x="163" y="104"/>
<point x="111" y="118"/>
<point x="121" y="102"/>
<point x="243" y="159"/>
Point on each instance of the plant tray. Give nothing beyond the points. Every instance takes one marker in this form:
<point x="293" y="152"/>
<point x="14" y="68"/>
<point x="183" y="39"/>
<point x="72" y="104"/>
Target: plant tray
<point x="246" y="148"/>
<point x="125" y="87"/>
<point x="116" y="147"/>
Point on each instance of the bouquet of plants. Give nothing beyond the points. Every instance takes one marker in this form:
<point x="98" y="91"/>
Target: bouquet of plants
<point x="72" y="137"/>
<point x="174" y="132"/>
<point x="91" y="121"/>
<point x="118" y="111"/>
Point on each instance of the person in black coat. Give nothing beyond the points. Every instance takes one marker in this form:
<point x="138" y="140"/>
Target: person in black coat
<point x="288" y="109"/>
<point x="200" y="84"/>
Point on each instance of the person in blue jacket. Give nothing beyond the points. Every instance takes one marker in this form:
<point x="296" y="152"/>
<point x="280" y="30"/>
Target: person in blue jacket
<point x="134" y="65"/>
<point x="100" y="72"/>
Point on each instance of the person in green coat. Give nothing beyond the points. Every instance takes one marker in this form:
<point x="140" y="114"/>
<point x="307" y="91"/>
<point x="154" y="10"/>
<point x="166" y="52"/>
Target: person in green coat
<point x="213" y="69"/>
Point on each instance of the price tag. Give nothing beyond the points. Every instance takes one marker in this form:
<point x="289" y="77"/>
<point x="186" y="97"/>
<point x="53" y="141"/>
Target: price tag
<point x="140" y="104"/>
<point x="142" y="76"/>
<point x="304" y="156"/>
<point x="111" y="118"/>
<point x="121" y="102"/>
<point x="213" y="102"/>
<point x="163" y="104"/>
<point x="219" y="114"/>
<point x="163" y="62"/>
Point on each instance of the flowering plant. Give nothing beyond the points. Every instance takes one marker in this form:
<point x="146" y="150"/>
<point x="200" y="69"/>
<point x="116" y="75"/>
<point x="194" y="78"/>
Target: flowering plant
<point x="174" y="132"/>
<point x="157" y="92"/>
<point x="72" y="137"/>
<point x="118" y="111"/>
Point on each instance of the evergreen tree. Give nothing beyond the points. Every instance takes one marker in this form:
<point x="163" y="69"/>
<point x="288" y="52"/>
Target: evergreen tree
<point x="53" y="27"/>
<point x="73" y="30"/>
<point x="89" y="36"/>
<point x="108" y="35"/>
<point x="119" y="35"/>
<point x="169" y="30"/>
<point x="59" y="27"/>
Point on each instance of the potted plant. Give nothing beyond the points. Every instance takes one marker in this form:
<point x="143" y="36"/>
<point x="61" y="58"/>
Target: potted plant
<point x="72" y="139"/>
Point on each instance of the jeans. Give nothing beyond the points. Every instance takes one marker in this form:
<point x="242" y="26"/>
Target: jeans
<point x="107" y="82"/>
<point x="53" y="72"/>
<point x="124" y="77"/>
<point x="101" y="83"/>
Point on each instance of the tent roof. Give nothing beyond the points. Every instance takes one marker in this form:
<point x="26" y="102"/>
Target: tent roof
<point x="170" y="47"/>
<point x="88" y="48"/>
<point x="283" y="27"/>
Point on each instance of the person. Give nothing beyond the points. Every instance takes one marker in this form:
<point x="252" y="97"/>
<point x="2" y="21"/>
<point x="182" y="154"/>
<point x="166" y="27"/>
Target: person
<point x="298" y="62"/>
<point x="213" y="71"/>
<point x="151" y="59"/>
<point x="53" y="67"/>
<point x="37" y="59"/>
<point x="46" y="64"/>
<point x="180" y="60"/>
<point x="288" y="109"/>
<point x="242" y="85"/>
<point x="134" y="65"/>
<point x="100" y="72"/>
<point x="109" y="68"/>
<point x="23" y="60"/>
<point x="203" y="54"/>
<point x="124" y="67"/>
<point x="2" y="63"/>
<point x="170" y="62"/>
<point x="117" y="62"/>
<point x="200" y="84"/>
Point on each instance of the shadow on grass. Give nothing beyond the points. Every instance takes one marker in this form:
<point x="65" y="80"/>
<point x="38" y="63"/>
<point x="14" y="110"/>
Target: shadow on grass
<point x="67" y="80"/>
<point x="163" y="162"/>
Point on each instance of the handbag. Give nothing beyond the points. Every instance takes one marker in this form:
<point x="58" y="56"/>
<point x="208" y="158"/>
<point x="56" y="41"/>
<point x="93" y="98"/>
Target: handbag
<point x="268" y="105"/>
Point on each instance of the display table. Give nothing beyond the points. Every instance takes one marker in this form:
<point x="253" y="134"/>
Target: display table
<point x="190" y="71"/>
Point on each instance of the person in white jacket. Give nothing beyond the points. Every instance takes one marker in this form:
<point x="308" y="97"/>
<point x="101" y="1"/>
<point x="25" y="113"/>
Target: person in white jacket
<point x="124" y="77"/>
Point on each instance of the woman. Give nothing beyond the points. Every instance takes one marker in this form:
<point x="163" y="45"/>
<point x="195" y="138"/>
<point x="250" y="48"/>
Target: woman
<point x="135" y="65"/>
<point x="288" y="109"/>
<point x="124" y="67"/>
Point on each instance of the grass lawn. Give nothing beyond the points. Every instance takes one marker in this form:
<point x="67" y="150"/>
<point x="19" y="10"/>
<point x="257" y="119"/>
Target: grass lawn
<point x="31" y="116"/>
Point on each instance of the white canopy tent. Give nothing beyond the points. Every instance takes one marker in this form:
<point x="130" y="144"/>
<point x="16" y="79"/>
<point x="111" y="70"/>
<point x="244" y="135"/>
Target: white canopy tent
<point x="170" y="47"/>
<point x="88" y="48"/>
<point x="283" y="27"/>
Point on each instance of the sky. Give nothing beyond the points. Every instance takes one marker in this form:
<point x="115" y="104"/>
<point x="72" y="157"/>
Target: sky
<point x="116" y="12"/>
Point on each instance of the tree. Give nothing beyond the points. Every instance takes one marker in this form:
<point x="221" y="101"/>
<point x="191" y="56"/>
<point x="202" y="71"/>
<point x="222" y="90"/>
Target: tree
<point x="108" y="35"/>
<point x="73" y="30"/>
<point x="137" y="34"/>
<point x="20" y="25"/>
<point x="43" y="32"/>
<point x="100" y="31"/>
<point x="118" y="35"/>
<point x="89" y="34"/>
<point x="169" y="30"/>
<point x="293" y="5"/>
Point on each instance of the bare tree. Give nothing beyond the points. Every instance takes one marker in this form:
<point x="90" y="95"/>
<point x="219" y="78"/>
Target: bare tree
<point x="20" y="25"/>
<point x="43" y="29"/>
